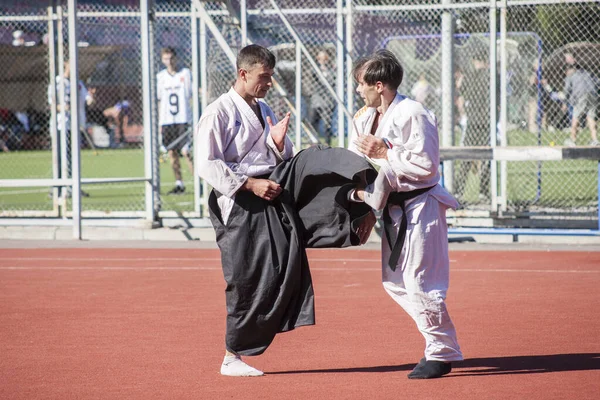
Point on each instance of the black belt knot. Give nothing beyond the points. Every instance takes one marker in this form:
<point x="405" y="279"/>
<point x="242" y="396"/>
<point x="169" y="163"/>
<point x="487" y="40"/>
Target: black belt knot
<point x="398" y="199"/>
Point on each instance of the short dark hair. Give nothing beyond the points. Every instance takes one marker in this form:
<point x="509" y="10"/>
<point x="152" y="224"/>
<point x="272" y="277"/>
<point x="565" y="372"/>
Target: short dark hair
<point x="382" y="66"/>
<point x="255" y="54"/>
<point x="168" y="50"/>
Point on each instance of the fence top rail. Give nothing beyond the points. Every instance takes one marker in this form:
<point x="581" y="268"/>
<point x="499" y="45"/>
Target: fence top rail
<point x="537" y="153"/>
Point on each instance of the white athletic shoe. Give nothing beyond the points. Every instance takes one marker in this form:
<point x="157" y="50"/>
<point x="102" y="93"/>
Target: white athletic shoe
<point x="234" y="366"/>
<point x="569" y="142"/>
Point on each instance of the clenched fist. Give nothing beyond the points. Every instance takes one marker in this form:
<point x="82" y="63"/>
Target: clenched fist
<point x="263" y="188"/>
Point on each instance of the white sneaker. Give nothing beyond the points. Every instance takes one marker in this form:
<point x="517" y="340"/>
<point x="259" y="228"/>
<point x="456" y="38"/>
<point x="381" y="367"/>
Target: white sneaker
<point x="234" y="366"/>
<point x="569" y="143"/>
<point x="594" y="143"/>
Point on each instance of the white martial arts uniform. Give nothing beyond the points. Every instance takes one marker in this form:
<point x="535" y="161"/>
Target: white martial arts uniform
<point x="233" y="145"/>
<point x="420" y="281"/>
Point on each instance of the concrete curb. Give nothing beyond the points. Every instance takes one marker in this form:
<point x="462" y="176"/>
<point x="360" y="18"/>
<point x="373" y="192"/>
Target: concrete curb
<point x="205" y="237"/>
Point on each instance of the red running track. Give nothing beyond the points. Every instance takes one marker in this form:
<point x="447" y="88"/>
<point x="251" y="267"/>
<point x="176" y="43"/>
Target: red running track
<point x="149" y="324"/>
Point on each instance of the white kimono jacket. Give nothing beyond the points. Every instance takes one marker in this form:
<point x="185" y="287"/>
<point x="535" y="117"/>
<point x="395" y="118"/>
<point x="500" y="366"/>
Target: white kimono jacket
<point x="232" y="145"/>
<point x="414" y="158"/>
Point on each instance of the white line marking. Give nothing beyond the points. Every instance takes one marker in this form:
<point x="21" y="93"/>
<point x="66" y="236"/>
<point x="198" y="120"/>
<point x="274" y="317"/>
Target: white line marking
<point x="218" y="268"/>
<point x="197" y="259"/>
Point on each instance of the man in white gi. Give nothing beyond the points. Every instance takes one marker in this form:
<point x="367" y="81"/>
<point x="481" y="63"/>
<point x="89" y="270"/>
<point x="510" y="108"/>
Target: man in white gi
<point x="267" y="206"/>
<point x="401" y="136"/>
<point x="237" y="142"/>
<point x="174" y="93"/>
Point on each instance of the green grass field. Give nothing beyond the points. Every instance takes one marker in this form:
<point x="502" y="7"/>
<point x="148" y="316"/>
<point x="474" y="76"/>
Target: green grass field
<point x="566" y="184"/>
<point x="103" y="197"/>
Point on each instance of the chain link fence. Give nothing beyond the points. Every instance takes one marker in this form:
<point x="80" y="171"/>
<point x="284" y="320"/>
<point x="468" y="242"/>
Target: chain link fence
<point x="546" y="45"/>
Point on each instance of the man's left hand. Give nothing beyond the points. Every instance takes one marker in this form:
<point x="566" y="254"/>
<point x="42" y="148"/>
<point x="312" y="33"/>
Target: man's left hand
<point x="279" y="130"/>
<point x="371" y="146"/>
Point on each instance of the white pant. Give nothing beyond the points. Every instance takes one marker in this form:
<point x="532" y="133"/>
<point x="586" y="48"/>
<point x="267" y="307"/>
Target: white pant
<point x="420" y="281"/>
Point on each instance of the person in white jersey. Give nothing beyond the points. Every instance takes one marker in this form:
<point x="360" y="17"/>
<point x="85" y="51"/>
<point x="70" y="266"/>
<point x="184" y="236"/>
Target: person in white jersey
<point x="174" y="93"/>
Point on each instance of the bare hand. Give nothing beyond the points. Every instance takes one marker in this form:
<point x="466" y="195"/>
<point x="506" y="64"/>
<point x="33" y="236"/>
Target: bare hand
<point x="263" y="188"/>
<point x="360" y="193"/>
<point x="279" y="130"/>
<point x="371" y="146"/>
<point x="366" y="226"/>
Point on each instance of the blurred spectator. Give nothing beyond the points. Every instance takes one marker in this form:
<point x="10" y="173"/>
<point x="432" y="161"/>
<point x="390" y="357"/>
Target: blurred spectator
<point x="19" y="39"/>
<point x="422" y="89"/>
<point x="83" y="94"/>
<point x="321" y="104"/>
<point x="459" y="103"/>
<point x="118" y="119"/>
<point x="476" y="92"/>
<point x="582" y="94"/>
<point x="11" y="131"/>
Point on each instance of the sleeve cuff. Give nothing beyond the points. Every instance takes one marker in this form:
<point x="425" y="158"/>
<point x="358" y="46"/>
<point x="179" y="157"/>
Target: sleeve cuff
<point x="353" y="197"/>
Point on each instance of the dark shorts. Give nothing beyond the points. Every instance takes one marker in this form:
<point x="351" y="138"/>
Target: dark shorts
<point x="171" y="133"/>
<point x="585" y="105"/>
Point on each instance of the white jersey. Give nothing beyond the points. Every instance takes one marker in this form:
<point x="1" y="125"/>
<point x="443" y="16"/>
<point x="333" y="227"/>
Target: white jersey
<point x="83" y="94"/>
<point x="174" y="92"/>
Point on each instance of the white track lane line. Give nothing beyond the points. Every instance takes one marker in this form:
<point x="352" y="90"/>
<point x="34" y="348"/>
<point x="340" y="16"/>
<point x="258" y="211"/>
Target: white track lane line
<point x="218" y="268"/>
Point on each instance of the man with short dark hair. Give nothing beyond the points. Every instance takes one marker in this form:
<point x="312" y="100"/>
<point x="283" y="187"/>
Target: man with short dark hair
<point x="401" y="136"/>
<point x="268" y="206"/>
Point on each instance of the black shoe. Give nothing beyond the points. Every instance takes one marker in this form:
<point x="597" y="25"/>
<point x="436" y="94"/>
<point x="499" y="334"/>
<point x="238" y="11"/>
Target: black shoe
<point x="84" y="194"/>
<point x="177" y="190"/>
<point x="430" y="370"/>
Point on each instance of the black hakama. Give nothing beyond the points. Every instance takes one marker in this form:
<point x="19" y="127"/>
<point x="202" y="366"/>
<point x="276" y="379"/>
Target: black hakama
<point x="269" y="287"/>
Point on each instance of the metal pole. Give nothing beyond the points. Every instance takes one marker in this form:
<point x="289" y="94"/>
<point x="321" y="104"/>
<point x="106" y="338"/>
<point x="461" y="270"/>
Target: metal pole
<point x="149" y="148"/>
<point x="244" y="22"/>
<point x="448" y="91"/>
<point x="62" y="129"/>
<point x="195" y="103"/>
<point x="349" y="63"/>
<point x="204" y="96"/>
<point x="339" y="82"/>
<point x="298" y="118"/>
<point x="74" y="108"/>
<point x="53" y="98"/>
<point x="493" y="116"/>
<point x="503" y="104"/>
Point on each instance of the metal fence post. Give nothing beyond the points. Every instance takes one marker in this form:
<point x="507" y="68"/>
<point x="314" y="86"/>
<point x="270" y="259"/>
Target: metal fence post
<point x="74" y="108"/>
<point x="447" y="90"/>
<point x="503" y="105"/>
<point x="195" y="103"/>
<point x="493" y="105"/>
<point x="62" y="129"/>
<point x="339" y="83"/>
<point x="54" y="142"/>
<point x="244" y="22"/>
<point x="349" y="63"/>
<point x="298" y="95"/>
<point x="149" y="148"/>
<point x="204" y="99"/>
